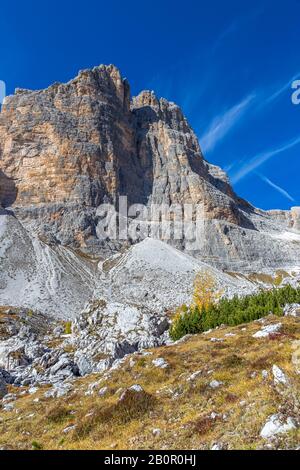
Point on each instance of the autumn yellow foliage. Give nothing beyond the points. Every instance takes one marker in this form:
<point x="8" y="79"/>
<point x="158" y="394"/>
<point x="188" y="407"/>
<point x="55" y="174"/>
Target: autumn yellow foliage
<point x="205" y="291"/>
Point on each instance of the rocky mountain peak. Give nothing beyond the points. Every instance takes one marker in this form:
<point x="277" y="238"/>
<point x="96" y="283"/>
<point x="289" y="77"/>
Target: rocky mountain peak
<point x="69" y="148"/>
<point x="145" y="98"/>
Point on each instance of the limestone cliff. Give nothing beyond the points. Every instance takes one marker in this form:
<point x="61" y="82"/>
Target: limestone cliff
<point x="66" y="149"/>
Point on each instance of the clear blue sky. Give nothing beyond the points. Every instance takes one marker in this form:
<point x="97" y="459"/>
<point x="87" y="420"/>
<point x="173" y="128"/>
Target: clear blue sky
<point x="229" y="65"/>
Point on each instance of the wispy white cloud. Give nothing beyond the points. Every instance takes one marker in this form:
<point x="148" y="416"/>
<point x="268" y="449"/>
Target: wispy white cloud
<point x="274" y="96"/>
<point x="223" y="123"/>
<point x="229" y="167"/>
<point x="276" y="187"/>
<point x="230" y="29"/>
<point x="235" y="25"/>
<point x="280" y="90"/>
<point x="261" y="158"/>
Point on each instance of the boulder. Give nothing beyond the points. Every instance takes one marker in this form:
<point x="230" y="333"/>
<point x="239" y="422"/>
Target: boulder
<point x="292" y="310"/>
<point x="279" y="376"/>
<point x="268" y="330"/>
<point x="277" y="424"/>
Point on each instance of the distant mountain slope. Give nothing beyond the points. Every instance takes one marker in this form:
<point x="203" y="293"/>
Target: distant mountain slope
<point x="53" y="280"/>
<point x="159" y="276"/>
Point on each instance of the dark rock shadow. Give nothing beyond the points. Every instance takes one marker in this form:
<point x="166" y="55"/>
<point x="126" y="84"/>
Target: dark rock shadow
<point x="8" y="191"/>
<point x="136" y="175"/>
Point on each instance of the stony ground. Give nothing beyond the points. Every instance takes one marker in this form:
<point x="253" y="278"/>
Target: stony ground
<point x="225" y="389"/>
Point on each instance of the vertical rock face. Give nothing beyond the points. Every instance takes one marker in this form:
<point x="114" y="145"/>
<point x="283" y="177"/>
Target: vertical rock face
<point x="67" y="149"/>
<point x="58" y="143"/>
<point x="179" y="172"/>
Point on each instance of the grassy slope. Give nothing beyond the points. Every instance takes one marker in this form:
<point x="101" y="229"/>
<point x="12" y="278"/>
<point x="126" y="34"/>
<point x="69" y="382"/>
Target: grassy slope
<point x="179" y="408"/>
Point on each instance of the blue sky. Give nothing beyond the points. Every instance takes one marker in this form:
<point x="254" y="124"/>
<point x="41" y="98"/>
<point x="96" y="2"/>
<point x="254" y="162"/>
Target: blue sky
<point x="229" y="65"/>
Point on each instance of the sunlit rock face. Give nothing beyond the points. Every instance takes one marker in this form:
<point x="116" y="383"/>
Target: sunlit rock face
<point x="71" y="147"/>
<point x="68" y="149"/>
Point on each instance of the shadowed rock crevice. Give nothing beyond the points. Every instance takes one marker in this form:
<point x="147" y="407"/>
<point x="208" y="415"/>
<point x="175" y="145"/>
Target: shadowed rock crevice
<point x="8" y="191"/>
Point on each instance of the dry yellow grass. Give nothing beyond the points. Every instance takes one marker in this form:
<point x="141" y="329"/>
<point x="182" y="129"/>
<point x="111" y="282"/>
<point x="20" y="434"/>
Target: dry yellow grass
<point x="180" y="408"/>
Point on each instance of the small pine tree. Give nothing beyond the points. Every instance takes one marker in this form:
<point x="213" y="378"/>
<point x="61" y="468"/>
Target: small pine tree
<point x="207" y="312"/>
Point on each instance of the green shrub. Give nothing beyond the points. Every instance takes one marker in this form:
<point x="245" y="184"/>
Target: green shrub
<point x="36" y="445"/>
<point x="186" y="321"/>
<point x="232" y="312"/>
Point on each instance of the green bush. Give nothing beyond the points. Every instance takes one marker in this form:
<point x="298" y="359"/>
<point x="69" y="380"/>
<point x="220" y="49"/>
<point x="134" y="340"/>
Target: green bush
<point x="192" y="320"/>
<point x="36" y="445"/>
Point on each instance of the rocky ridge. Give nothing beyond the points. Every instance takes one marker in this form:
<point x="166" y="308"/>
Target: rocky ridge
<point x="37" y="350"/>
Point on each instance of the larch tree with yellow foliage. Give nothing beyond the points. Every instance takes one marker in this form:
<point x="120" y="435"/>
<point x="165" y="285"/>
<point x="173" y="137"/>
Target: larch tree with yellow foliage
<point x="205" y="291"/>
<point x="205" y="296"/>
